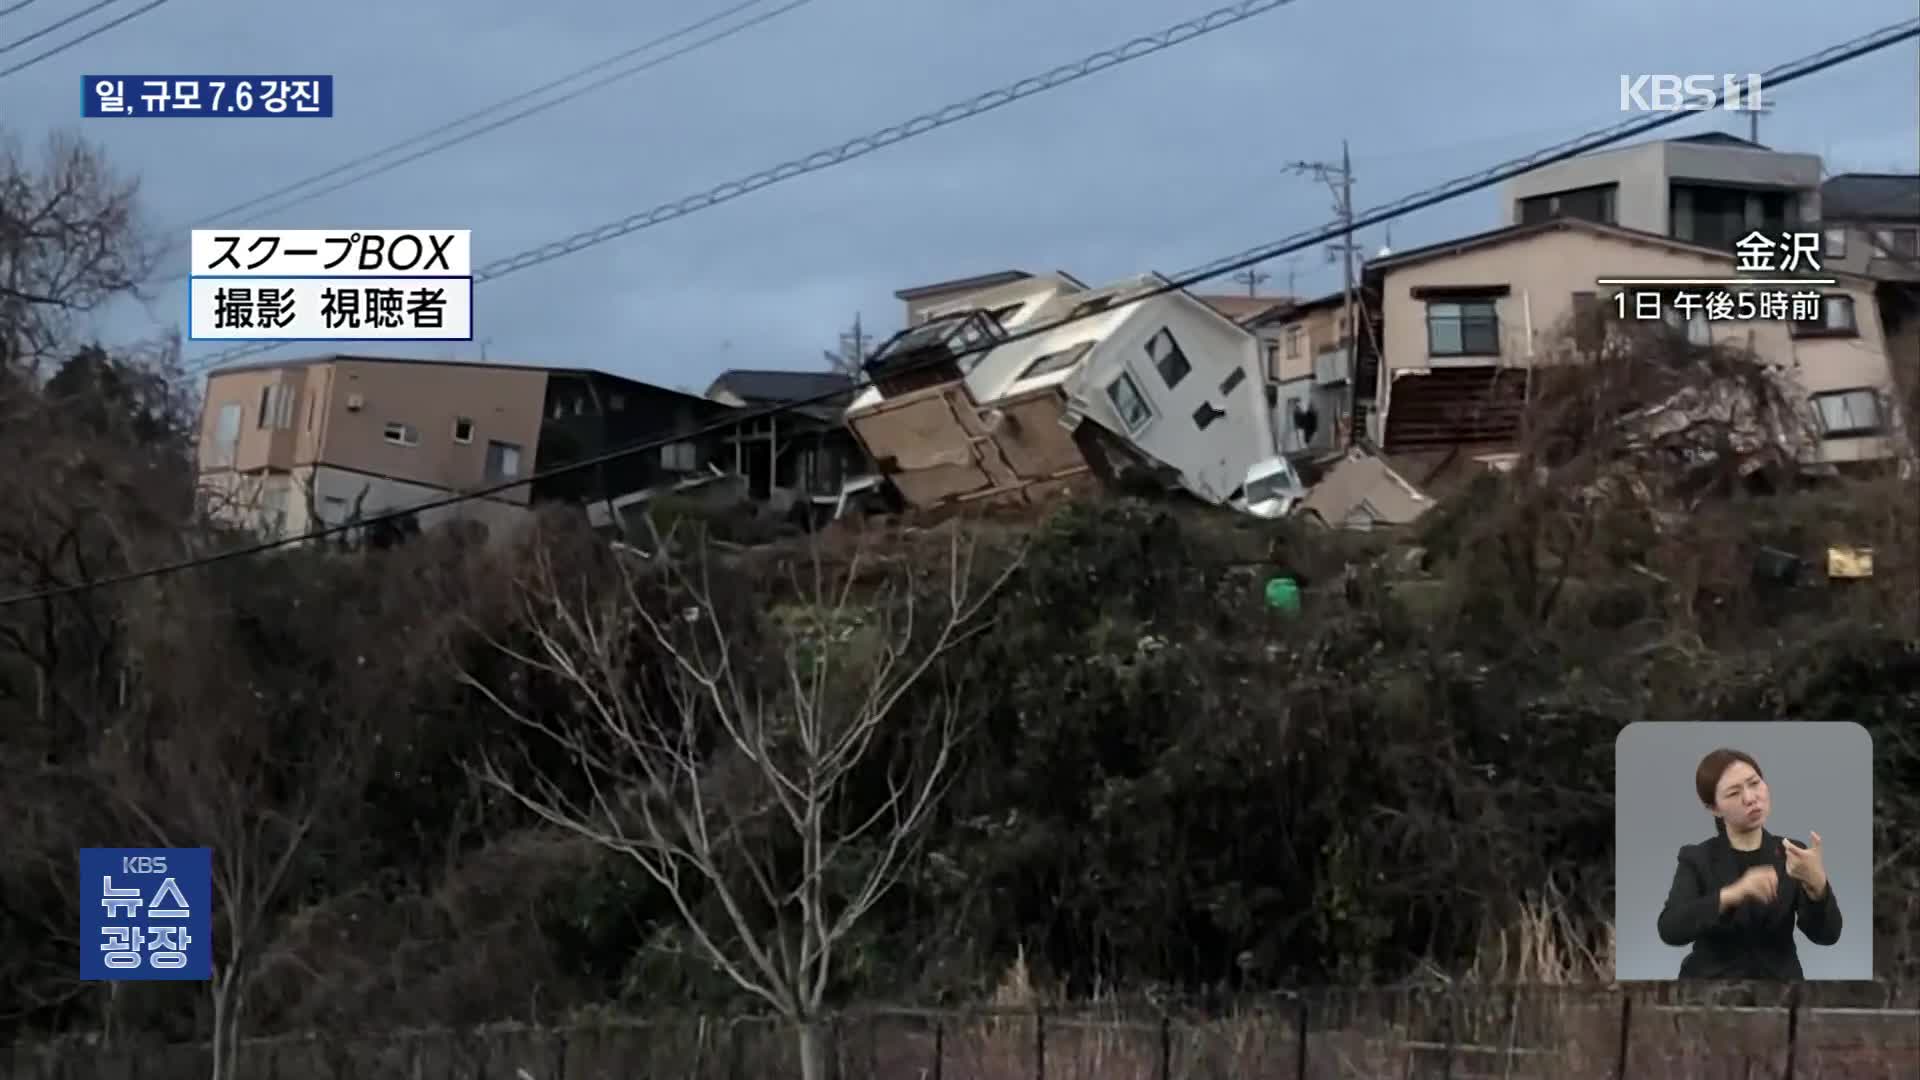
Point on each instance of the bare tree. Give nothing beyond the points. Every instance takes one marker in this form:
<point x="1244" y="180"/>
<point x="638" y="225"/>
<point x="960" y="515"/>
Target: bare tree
<point x="251" y="730"/>
<point x="765" y="772"/>
<point x="70" y="241"/>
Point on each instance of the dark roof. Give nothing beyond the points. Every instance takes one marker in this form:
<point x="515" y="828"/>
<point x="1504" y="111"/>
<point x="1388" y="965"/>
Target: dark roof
<point x="779" y="387"/>
<point x="304" y="361"/>
<point x="1721" y="138"/>
<point x="1871" y="197"/>
<point x="978" y="281"/>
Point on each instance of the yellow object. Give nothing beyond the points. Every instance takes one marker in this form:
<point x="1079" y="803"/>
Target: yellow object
<point x="1849" y="562"/>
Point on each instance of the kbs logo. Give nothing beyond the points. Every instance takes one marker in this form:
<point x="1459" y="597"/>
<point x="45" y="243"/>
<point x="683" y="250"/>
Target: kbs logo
<point x="1689" y="93"/>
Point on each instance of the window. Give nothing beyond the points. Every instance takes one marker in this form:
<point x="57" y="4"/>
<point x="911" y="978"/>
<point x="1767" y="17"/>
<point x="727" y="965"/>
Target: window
<point x="1088" y="307"/>
<point x="1693" y="324"/>
<point x="1835" y="319"/>
<point x="503" y="461"/>
<point x="1835" y="244"/>
<point x="1233" y="380"/>
<point x="1059" y="360"/>
<point x="462" y="429"/>
<point x="1206" y="414"/>
<point x="276" y="407"/>
<point x="1588" y="204"/>
<point x="1845" y="414"/>
<point x="1463" y="328"/>
<point x="226" y="433"/>
<point x="1004" y="315"/>
<point x="679" y="457"/>
<point x="1589" y="320"/>
<point x="402" y="434"/>
<point x="1296" y="341"/>
<point x="1132" y="406"/>
<point x="1273" y="359"/>
<point x="1899" y="241"/>
<point x="1168" y="359"/>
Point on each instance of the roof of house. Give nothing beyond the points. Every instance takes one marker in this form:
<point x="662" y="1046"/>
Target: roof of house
<point x="1720" y="138"/>
<point x="1463" y="244"/>
<point x="1871" y="197"/>
<point x="769" y="387"/>
<point x="550" y="369"/>
<point x="1241" y="308"/>
<point x="978" y="281"/>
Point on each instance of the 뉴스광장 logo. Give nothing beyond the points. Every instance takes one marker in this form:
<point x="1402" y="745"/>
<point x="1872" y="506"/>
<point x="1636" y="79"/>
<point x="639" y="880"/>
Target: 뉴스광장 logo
<point x="146" y="914"/>
<point x="1689" y="93"/>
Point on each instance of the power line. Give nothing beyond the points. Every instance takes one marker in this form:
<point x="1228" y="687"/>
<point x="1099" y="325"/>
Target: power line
<point x="1420" y="200"/>
<point x="6" y="11"/>
<point x="489" y="110"/>
<point x="52" y="26"/>
<point x="843" y="153"/>
<point x="88" y="36"/>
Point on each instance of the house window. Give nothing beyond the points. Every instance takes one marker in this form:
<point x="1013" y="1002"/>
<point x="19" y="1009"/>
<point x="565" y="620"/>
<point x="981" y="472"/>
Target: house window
<point x="1059" y="360"/>
<point x="1168" y="359"/>
<point x="503" y="461"/>
<point x="276" y="407"/>
<point x="1233" y="380"/>
<point x="1088" y="307"/>
<point x="1693" y="324"/>
<point x="402" y="434"/>
<point x="1589" y="325"/>
<point x="1463" y="328"/>
<point x="1132" y="406"/>
<point x="1834" y="319"/>
<point x="226" y="433"/>
<point x="462" y="429"/>
<point x="1273" y="359"/>
<point x="1899" y="241"/>
<point x="1587" y="204"/>
<point x="1296" y="341"/>
<point x="1835" y="243"/>
<point x="1846" y="414"/>
<point x="679" y="457"/>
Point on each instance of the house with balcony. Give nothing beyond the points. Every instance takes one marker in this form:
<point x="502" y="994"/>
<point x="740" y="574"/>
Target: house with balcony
<point x="1464" y="323"/>
<point x="1309" y="360"/>
<point x="1708" y="190"/>
<point x="985" y="398"/>
<point x="296" y="445"/>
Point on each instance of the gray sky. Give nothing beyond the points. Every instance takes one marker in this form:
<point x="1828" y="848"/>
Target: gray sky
<point x="1160" y="164"/>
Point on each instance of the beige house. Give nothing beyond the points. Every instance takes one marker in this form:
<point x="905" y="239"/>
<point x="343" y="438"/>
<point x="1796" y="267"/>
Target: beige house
<point x="303" y="444"/>
<point x="289" y="447"/>
<point x="1462" y="321"/>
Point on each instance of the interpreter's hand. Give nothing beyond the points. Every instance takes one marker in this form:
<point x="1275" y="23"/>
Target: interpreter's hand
<point x="1762" y="883"/>
<point x="1805" y="865"/>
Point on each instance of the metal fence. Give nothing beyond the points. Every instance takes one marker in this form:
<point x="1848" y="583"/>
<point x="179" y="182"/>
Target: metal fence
<point x="1859" y="1032"/>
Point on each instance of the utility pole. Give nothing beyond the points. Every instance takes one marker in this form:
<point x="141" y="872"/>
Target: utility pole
<point x="1753" y="103"/>
<point x="1251" y="277"/>
<point x="852" y="355"/>
<point x="1339" y="181"/>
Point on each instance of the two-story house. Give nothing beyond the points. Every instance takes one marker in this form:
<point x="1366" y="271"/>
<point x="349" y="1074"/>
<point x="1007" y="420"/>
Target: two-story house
<point x="1308" y="354"/>
<point x="1464" y="321"/>
<point x="1021" y="388"/>
<point x="1872" y="224"/>
<point x="799" y="445"/>
<point x="295" y="445"/>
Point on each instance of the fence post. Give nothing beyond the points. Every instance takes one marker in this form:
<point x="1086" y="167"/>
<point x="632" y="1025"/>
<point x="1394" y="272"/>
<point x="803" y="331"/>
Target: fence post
<point x="1166" y="1047"/>
<point x="1793" y="1028"/>
<point x="939" y="1045"/>
<point x="1300" y="1028"/>
<point x="1626" y="1027"/>
<point x="1446" y="1062"/>
<point x="1039" y="1042"/>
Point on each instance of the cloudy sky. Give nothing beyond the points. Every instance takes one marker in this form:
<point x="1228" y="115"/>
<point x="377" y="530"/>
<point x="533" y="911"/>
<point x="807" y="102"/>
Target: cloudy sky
<point x="1159" y="164"/>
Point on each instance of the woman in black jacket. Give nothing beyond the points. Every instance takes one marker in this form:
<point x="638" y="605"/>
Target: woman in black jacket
<point x="1737" y="897"/>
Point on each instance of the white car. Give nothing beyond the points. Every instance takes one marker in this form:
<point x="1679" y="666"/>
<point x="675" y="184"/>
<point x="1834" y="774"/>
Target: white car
<point x="1272" y="489"/>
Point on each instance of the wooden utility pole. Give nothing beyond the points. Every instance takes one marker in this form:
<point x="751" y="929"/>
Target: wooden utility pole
<point x="852" y="355"/>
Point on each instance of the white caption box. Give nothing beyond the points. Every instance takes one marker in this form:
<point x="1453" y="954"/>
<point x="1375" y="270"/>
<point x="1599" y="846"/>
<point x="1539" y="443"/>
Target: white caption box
<point x="281" y="253"/>
<point x="331" y="309"/>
